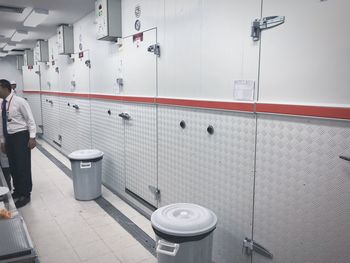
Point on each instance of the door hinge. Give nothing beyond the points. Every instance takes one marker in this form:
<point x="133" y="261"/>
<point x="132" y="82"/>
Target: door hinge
<point x="154" y="49"/>
<point x="155" y="191"/>
<point x="265" y="23"/>
<point x="249" y="246"/>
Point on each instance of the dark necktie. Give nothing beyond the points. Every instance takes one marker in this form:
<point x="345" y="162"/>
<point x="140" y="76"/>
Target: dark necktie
<point x="4" y="118"/>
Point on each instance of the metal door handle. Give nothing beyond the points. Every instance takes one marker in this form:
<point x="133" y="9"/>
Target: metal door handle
<point x="75" y="106"/>
<point x="125" y="116"/>
<point x="346" y="158"/>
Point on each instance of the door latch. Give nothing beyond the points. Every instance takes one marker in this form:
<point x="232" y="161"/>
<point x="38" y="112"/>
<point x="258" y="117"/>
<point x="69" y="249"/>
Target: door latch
<point x="88" y="63"/>
<point x="249" y="246"/>
<point x="345" y="158"/>
<point x="265" y="23"/>
<point x="155" y="191"/>
<point x="75" y="106"/>
<point x="154" y="49"/>
<point x="125" y="116"/>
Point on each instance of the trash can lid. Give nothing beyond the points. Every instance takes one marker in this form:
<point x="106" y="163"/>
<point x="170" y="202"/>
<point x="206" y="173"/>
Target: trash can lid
<point x="88" y="154"/>
<point x="183" y="220"/>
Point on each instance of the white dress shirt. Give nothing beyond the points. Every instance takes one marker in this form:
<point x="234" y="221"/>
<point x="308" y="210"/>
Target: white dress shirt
<point x="19" y="116"/>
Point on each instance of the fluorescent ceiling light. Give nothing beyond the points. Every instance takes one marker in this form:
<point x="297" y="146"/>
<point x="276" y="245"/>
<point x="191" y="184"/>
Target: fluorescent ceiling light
<point x="9" y="47"/>
<point x="36" y="17"/>
<point x="19" y="35"/>
<point x="3" y="54"/>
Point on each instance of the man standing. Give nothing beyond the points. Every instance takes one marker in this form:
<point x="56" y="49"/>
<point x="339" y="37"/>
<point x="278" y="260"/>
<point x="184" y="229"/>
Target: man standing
<point x="17" y="137"/>
<point x="13" y="85"/>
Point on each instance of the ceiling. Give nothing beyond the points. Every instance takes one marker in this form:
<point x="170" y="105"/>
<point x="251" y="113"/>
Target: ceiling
<point x="60" y="12"/>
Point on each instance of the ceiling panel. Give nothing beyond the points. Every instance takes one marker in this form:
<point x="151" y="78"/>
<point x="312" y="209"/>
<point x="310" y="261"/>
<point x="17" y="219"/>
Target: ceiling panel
<point x="60" y="12"/>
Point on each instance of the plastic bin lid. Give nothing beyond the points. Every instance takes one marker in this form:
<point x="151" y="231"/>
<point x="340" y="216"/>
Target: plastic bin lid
<point x="184" y="220"/>
<point x="88" y="154"/>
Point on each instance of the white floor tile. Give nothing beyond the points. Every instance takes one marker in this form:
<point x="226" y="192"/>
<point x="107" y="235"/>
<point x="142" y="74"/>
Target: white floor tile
<point x="61" y="256"/>
<point x="92" y="250"/>
<point x="108" y="258"/>
<point x="118" y="243"/>
<point x="133" y="254"/>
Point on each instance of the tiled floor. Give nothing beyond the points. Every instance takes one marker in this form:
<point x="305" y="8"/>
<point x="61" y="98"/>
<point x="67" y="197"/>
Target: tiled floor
<point x="66" y="230"/>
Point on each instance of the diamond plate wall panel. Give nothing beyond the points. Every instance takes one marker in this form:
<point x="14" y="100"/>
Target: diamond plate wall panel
<point x="55" y="117"/>
<point x="83" y="132"/>
<point x="302" y="202"/>
<point x="34" y="100"/>
<point x="68" y="125"/>
<point x="50" y="118"/>
<point x="108" y="136"/>
<point x="141" y="150"/>
<point x="46" y="117"/>
<point x="215" y="171"/>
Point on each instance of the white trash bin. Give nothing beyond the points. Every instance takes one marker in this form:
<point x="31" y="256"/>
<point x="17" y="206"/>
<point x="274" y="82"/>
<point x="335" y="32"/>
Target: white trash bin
<point x="86" y="173"/>
<point x="184" y="233"/>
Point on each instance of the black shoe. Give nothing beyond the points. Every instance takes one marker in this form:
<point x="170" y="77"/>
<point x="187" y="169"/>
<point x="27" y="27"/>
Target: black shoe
<point x="22" y="201"/>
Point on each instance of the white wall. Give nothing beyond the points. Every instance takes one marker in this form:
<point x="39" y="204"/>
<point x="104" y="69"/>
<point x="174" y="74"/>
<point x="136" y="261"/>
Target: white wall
<point x="9" y="71"/>
<point x="206" y="46"/>
<point x="103" y="56"/>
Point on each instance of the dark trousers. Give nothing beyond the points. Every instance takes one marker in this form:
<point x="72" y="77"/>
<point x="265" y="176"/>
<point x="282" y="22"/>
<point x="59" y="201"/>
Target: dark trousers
<point x="7" y="175"/>
<point x="19" y="156"/>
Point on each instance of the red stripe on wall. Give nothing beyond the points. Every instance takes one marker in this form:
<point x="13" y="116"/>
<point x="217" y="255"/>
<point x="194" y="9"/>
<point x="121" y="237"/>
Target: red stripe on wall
<point x="298" y="110"/>
<point x="220" y="105"/>
<point x="32" y="91"/>
<point x="301" y="110"/>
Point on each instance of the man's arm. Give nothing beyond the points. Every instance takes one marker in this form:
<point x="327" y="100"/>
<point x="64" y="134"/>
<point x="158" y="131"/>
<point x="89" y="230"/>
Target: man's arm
<point x="28" y="116"/>
<point x="2" y="137"/>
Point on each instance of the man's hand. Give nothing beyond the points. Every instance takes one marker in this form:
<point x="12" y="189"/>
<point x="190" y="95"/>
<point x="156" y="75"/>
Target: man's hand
<point x="31" y="143"/>
<point x="3" y="148"/>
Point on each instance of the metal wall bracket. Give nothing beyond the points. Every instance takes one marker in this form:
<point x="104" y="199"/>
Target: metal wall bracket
<point x="154" y="49"/>
<point x="155" y="191"/>
<point x="120" y="82"/>
<point x="265" y="23"/>
<point x="249" y="246"/>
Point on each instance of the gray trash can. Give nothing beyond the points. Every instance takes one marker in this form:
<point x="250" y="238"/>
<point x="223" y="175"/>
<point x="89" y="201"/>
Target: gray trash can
<point x="86" y="172"/>
<point x="184" y="233"/>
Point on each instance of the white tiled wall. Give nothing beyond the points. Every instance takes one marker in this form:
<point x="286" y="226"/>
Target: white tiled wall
<point x="215" y="171"/>
<point x="300" y="190"/>
<point x="35" y="101"/>
<point x="108" y="136"/>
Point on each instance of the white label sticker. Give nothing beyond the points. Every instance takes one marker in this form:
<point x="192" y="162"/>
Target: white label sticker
<point x="244" y="90"/>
